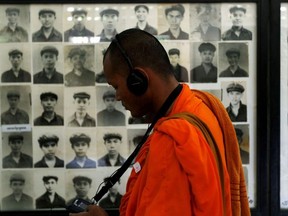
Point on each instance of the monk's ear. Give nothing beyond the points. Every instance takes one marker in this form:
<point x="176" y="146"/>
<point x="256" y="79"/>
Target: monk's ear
<point x="137" y="81"/>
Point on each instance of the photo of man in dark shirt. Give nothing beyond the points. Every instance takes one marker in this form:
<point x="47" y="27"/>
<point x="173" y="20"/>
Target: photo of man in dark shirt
<point x="49" y="145"/>
<point x="141" y="12"/>
<point x="49" y="116"/>
<point x="112" y="142"/>
<point x="113" y="199"/>
<point x="80" y="75"/>
<point x="180" y="72"/>
<point x="174" y="16"/>
<point x="17" y="200"/>
<point x="47" y="33"/>
<point x="16" y="73"/>
<point x="233" y="70"/>
<point x="237" y="31"/>
<point x="16" y="158"/>
<point x="109" y="18"/>
<point x="49" y="74"/>
<point x="82" y="186"/>
<point x="110" y="116"/>
<point x="80" y="143"/>
<point x="206" y="72"/>
<point x="236" y="110"/>
<point x="14" y="115"/>
<point x="13" y="32"/>
<point x="50" y="199"/>
<point x="79" y="29"/>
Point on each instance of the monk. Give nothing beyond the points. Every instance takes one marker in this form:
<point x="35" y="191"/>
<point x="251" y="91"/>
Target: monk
<point x="176" y="171"/>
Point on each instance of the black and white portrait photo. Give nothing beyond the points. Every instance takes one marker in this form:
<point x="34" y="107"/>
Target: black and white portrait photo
<point x="48" y="148"/>
<point x="16" y="105"/>
<point x="48" y="106"/>
<point x="238" y="22"/>
<point x="233" y="60"/>
<point x="235" y="100"/>
<point x="15" y="23"/>
<point x="173" y="21"/>
<point x="79" y="65"/>
<point x="47" y="23"/>
<point x="80" y="107"/>
<point x="18" y="190"/>
<point x="17" y="65"/>
<point x="204" y="63"/>
<point x="79" y="23"/>
<point x="110" y="112"/>
<point x="80" y="149"/>
<point x="50" y="193"/>
<point x="109" y="22"/>
<point x="112" y="146"/>
<point x="205" y="21"/>
<point x="242" y="133"/>
<point x="17" y="150"/>
<point x="178" y="53"/>
<point x="48" y="64"/>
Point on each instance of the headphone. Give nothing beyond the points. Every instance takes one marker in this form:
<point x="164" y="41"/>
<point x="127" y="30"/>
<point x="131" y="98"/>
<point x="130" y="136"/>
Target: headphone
<point x="137" y="82"/>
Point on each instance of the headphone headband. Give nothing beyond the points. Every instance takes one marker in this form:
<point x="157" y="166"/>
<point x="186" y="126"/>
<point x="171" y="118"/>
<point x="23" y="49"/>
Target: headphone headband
<point x="137" y="81"/>
<point x="123" y="52"/>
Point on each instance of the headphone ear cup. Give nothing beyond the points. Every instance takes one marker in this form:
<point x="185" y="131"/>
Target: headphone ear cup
<point x="137" y="82"/>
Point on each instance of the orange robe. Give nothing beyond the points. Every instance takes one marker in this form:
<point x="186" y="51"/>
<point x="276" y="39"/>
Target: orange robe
<point x="178" y="175"/>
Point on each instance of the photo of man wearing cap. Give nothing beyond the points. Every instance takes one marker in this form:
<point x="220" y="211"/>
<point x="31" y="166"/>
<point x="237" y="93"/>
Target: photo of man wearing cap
<point x="80" y="143"/>
<point x="79" y="29"/>
<point x="110" y="116"/>
<point x="112" y="142"/>
<point x="180" y="71"/>
<point x="237" y="31"/>
<point x="243" y="147"/>
<point x="80" y="75"/>
<point x="206" y="72"/>
<point x="49" y="74"/>
<point x="16" y="158"/>
<point x="142" y="12"/>
<point x="14" y="115"/>
<point x="49" y="116"/>
<point x="81" y="118"/>
<point x="205" y="14"/>
<point x="174" y="16"/>
<point x="50" y="199"/>
<point x="234" y="70"/>
<point x="113" y="198"/>
<point x="82" y="186"/>
<point x="17" y="200"/>
<point x="236" y="110"/>
<point x="47" y="32"/>
<point x="109" y="18"/>
<point x="16" y="73"/>
<point x="48" y="143"/>
<point x="13" y="32"/>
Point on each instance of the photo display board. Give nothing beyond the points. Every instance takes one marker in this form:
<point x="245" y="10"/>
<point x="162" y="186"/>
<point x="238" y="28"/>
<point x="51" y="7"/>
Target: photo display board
<point x="284" y="108"/>
<point x="56" y="105"/>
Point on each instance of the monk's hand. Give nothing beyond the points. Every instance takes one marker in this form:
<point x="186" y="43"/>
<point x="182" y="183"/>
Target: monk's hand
<point x="92" y="210"/>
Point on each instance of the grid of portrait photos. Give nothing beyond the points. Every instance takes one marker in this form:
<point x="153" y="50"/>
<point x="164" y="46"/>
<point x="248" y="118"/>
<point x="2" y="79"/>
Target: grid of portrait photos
<point x="63" y="131"/>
